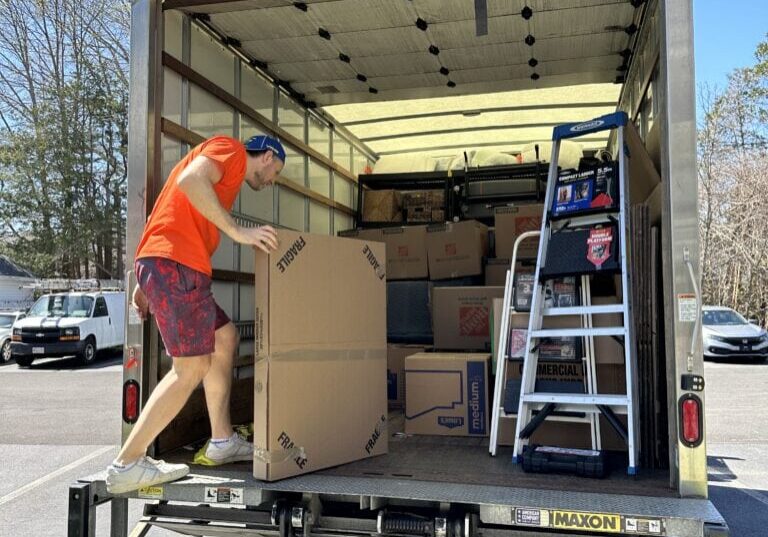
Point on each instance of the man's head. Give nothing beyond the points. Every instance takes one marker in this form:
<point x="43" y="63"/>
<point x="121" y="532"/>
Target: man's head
<point x="266" y="158"/>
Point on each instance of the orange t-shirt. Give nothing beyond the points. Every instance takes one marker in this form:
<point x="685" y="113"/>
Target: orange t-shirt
<point x="175" y="229"/>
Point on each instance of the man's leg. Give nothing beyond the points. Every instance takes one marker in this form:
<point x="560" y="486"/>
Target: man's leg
<point x="218" y="381"/>
<point x="165" y="402"/>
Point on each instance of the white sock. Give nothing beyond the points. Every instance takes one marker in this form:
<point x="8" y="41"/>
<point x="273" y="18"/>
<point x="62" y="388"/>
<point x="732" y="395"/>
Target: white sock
<point x="221" y="442"/>
<point x="122" y="467"/>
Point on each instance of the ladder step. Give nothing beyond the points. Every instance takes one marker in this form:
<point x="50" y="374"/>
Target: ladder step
<point x="584" y="310"/>
<point x="593" y="218"/>
<point x="553" y="417"/>
<point x="579" y="332"/>
<point x="577" y="399"/>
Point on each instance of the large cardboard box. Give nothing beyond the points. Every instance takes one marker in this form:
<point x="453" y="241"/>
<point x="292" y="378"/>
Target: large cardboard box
<point x="607" y="349"/>
<point x="510" y="222"/>
<point x="382" y="206"/>
<point x="320" y="354"/>
<point x="447" y="394"/>
<point x="396" y="355"/>
<point x="456" y="249"/>
<point x="462" y="317"/>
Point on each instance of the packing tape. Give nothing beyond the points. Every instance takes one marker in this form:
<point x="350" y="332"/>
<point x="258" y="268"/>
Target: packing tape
<point x="278" y="456"/>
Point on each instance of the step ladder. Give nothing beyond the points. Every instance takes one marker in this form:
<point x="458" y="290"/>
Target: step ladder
<point x="592" y="402"/>
<point x="503" y="358"/>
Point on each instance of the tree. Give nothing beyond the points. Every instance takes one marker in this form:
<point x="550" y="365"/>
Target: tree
<point x="63" y="135"/>
<point x="733" y="198"/>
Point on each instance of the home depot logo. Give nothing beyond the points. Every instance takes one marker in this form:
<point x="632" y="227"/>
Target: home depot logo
<point x="451" y="249"/>
<point x="473" y="321"/>
<point x="291" y="254"/>
<point x="374" y="262"/>
<point x="402" y="251"/>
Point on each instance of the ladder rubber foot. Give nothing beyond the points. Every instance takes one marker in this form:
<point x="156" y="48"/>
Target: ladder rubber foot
<point x="516" y="459"/>
<point x="631" y="470"/>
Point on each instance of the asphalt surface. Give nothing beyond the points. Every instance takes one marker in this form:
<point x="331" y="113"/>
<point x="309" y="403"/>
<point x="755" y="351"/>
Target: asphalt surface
<point x="59" y="422"/>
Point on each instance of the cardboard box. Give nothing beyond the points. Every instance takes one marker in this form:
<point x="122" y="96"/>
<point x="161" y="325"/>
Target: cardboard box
<point x="462" y="317"/>
<point x="396" y="355"/>
<point x="382" y="206"/>
<point x="607" y="349"/>
<point x="409" y="317"/>
<point x="447" y="394"/>
<point x="406" y="252"/>
<point x="496" y="270"/>
<point x="320" y="350"/>
<point x="362" y="234"/>
<point x="456" y="249"/>
<point x="510" y="222"/>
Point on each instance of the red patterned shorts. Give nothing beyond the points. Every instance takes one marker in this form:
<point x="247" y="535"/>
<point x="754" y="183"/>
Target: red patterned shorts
<point x="182" y="303"/>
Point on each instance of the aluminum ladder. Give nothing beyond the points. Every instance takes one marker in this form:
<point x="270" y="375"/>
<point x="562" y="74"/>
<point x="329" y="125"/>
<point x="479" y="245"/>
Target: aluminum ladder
<point x="592" y="402"/>
<point x="503" y="359"/>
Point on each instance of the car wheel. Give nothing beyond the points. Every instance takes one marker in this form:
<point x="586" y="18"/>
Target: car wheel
<point x="5" y="352"/>
<point x="24" y="361"/>
<point x="88" y="355"/>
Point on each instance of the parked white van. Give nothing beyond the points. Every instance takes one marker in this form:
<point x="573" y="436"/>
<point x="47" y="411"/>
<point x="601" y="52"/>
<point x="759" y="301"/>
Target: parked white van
<point x="66" y="324"/>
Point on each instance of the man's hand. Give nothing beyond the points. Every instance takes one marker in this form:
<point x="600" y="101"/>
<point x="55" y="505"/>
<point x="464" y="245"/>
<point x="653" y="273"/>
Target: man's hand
<point x="263" y="237"/>
<point x="139" y="302"/>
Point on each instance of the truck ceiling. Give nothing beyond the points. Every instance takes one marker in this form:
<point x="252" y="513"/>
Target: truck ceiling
<point x="540" y="63"/>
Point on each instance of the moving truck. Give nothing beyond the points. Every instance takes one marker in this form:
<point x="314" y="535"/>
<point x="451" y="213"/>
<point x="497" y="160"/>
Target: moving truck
<point x="351" y="86"/>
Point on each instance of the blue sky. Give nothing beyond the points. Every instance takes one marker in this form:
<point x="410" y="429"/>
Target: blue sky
<point x="726" y="33"/>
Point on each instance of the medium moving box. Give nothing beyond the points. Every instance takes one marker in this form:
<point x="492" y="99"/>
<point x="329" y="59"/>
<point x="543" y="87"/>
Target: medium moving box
<point x="447" y="394"/>
<point x="456" y="249"/>
<point x="512" y="221"/>
<point x="462" y="317"/>
<point x="320" y="396"/>
<point x="396" y="355"/>
<point x="382" y="206"/>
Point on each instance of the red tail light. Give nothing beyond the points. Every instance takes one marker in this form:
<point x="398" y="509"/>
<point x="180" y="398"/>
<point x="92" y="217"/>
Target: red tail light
<point x="691" y="420"/>
<point x="130" y="401"/>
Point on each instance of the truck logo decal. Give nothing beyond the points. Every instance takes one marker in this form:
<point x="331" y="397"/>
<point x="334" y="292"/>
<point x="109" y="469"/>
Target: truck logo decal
<point x="291" y="254"/>
<point x="586" y="521"/>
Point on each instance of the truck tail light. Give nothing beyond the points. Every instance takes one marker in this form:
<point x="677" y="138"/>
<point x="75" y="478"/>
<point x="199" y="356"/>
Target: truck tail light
<point x="691" y="420"/>
<point x="130" y="401"/>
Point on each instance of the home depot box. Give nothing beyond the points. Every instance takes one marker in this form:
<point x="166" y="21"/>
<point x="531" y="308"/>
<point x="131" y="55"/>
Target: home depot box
<point x="320" y="354"/>
<point x="406" y="252"/>
<point x="447" y="394"/>
<point x="382" y="206"/>
<point x="396" y="355"/>
<point x="462" y="317"/>
<point x="510" y="222"/>
<point x="456" y="249"/>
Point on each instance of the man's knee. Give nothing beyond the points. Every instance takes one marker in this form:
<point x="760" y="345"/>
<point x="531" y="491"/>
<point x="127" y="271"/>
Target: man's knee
<point x="192" y="369"/>
<point x="227" y="338"/>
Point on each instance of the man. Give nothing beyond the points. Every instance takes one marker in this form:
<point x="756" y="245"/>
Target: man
<point x="173" y="270"/>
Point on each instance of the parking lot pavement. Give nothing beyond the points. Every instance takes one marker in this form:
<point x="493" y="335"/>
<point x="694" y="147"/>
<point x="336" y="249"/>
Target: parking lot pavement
<point x="60" y="422"/>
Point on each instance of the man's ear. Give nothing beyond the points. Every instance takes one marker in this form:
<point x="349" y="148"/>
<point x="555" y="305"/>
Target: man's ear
<point x="268" y="156"/>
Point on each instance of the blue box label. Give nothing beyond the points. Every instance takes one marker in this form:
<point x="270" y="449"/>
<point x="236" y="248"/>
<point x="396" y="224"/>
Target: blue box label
<point x="476" y="398"/>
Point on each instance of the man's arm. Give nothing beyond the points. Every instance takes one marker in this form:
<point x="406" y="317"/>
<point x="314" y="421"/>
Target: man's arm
<point x="196" y="182"/>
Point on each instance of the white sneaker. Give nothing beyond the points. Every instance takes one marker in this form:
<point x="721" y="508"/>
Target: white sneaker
<point x="234" y="450"/>
<point x="144" y="473"/>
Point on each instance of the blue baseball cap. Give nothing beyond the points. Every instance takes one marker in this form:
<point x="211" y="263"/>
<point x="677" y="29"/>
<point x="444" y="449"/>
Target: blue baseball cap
<point x="262" y="142"/>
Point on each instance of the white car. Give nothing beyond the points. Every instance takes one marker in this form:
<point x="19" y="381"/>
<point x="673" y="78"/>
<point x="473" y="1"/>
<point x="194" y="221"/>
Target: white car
<point x="66" y="324"/>
<point x="7" y="319"/>
<point x="729" y="335"/>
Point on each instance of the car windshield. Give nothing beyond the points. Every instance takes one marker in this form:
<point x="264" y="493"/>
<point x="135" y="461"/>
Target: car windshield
<point x="723" y="317"/>
<point x="6" y="321"/>
<point x="62" y="306"/>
